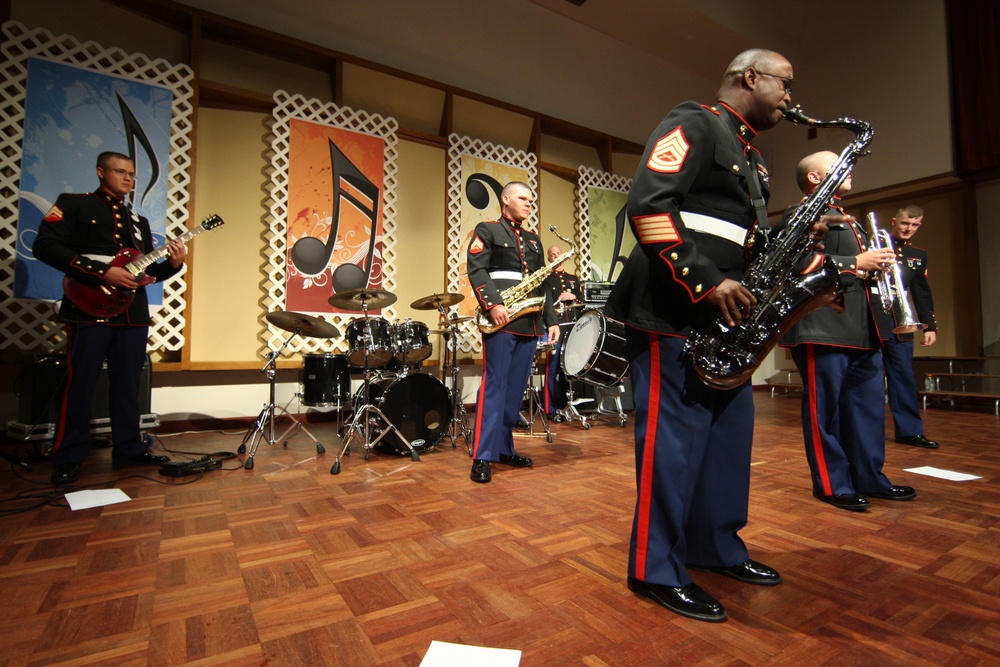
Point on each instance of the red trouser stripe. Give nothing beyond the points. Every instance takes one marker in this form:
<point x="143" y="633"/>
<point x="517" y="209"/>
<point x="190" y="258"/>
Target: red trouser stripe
<point x="817" y="439"/>
<point x="479" y="408"/>
<point x="648" y="460"/>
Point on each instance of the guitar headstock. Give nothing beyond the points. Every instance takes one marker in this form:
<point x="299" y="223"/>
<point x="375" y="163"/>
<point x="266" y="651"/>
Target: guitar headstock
<point x="211" y="222"/>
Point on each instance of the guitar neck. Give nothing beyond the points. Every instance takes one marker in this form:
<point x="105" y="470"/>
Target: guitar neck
<point x="139" y="265"/>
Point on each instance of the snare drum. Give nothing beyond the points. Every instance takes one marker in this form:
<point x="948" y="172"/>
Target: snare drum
<point x="326" y="380"/>
<point x="418" y="405"/>
<point x="369" y="338"/>
<point x="594" y="350"/>
<point x="412" y="342"/>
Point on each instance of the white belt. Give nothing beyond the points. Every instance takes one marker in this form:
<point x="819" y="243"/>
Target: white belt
<point x="101" y="258"/>
<point x="706" y="224"/>
<point x="506" y="275"/>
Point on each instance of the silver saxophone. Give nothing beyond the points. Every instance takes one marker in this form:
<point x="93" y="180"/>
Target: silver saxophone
<point x="518" y="299"/>
<point x="890" y="283"/>
<point x="725" y="357"/>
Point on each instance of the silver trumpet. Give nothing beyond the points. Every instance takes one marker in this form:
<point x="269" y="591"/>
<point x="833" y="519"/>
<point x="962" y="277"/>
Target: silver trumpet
<point x="890" y="284"/>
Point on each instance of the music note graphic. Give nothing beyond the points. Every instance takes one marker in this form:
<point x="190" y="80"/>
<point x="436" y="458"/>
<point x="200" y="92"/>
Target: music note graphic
<point x="476" y="192"/>
<point x="311" y="256"/>
<point x="133" y="133"/>
<point x="619" y="237"/>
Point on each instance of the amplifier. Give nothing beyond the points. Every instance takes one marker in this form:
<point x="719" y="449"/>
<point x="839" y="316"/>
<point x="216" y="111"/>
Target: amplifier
<point x="42" y="383"/>
<point x="596" y="293"/>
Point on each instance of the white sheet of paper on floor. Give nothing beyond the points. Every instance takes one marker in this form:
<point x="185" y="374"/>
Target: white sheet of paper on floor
<point x="81" y="500"/>
<point x="943" y="474"/>
<point x="445" y="654"/>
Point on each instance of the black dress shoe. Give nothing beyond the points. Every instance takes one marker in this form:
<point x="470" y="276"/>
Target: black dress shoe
<point x="480" y="471"/>
<point x="521" y="424"/>
<point x="895" y="493"/>
<point x="918" y="441"/>
<point x="66" y="474"/>
<point x="845" y="501"/>
<point x="749" y="572"/>
<point x="144" y="459"/>
<point x="690" y="600"/>
<point x="516" y="460"/>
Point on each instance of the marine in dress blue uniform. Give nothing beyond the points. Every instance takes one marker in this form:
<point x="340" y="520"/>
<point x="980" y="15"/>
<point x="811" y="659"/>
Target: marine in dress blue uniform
<point x="691" y="211"/>
<point x="838" y="357"/>
<point x="559" y="283"/>
<point x="79" y="236"/>
<point x="897" y="354"/>
<point x="500" y="255"/>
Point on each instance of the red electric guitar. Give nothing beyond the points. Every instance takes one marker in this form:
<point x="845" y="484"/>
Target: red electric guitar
<point x="106" y="301"/>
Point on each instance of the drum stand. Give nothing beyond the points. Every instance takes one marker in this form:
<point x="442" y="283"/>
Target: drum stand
<point x="366" y="421"/>
<point x="536" y="407"/>
<point x="459" y="425"/>
<point x="264" y="426"/>
<point x="570" y="413"/>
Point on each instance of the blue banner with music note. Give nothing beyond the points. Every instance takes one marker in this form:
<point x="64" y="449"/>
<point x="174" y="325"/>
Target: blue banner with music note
<point x="72" y="114"/>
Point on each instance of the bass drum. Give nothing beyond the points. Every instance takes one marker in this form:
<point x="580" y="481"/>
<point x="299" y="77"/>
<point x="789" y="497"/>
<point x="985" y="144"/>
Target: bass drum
<point x="326" y="380"/>
<point x="418" y="405"/>
<point x="594" y="350"/>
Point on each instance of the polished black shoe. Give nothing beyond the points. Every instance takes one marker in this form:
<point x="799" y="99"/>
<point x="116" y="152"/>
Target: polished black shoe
<point x="918" y="441"/>
<point x="522" y="424"/>
<point x="845" y="501"/>
<point x="516" y="460"/>
<point x="480" y="471"/>
<point x="895" y="493"/>
<point x="690" y="600"/>
<point x="66" y="474"/>
<point x="749" y="572"/>
<point x="144" y="459"/>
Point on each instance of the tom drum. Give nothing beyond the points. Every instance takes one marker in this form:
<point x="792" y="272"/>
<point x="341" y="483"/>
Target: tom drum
<point x="326" y="380"/>
<point x="369" y="339"/>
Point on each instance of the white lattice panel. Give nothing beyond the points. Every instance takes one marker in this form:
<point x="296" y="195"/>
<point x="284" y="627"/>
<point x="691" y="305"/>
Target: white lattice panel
<point x="274" y="253"/>
<point x="28" y="324"/>
<point x="591" y="178"/>
<point x="469" y="339"/>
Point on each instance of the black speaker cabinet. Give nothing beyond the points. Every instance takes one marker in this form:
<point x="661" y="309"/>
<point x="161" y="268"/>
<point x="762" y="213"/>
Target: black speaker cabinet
<point x="43" y="381"/>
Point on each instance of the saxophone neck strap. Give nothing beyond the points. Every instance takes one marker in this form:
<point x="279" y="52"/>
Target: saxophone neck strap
<point x="725" y="135"/>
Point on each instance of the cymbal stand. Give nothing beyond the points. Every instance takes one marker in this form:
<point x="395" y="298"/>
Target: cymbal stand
<point x="459" y="425"/>
<point x="366" y="421"/>
<point x="263" y="428"/>
<point x="536" y="407"/>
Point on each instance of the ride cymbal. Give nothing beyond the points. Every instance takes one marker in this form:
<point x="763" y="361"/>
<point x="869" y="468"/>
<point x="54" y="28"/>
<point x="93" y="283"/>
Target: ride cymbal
<point x="362" y="299"/>
<point x="307" y="325"/>
<point x="435" y="301"/>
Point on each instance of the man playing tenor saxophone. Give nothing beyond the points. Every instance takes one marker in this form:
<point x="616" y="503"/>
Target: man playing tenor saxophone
<point x="693" y="206"/>
<point x="500" y="255"/>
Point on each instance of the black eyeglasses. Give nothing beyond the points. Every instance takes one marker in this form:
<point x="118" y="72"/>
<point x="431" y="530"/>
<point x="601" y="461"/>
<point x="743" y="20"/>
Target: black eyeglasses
<point x="786" y="82"/>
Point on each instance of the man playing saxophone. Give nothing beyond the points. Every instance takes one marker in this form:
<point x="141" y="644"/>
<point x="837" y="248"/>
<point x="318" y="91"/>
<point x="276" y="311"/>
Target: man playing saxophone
<point x="692" y="209"/>
<point x="838" y="357"/>
<point x="500" y="255"/>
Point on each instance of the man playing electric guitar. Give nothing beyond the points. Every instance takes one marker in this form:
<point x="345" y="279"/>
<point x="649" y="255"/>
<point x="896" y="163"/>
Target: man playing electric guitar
<point x="79" y="236"/>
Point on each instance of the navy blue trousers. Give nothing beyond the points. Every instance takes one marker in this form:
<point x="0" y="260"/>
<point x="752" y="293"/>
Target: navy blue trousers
<point x="89" y="345"/>
<point x="692" y="454"/>
<point x="897" y="357"/>
<point x="506" y="366"/>
<point x="843" y="418"/>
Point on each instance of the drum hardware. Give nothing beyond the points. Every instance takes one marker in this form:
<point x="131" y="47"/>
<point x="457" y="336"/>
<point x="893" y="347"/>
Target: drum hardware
<point x="416" y="404"/>
<point x="367" y="416"/>
<point x="532" y="394"/>
<point x="263" y="427"/>
<point x="459" y="423"/>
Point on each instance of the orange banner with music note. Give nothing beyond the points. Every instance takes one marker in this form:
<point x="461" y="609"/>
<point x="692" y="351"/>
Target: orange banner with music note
<point x="334" y="237"/>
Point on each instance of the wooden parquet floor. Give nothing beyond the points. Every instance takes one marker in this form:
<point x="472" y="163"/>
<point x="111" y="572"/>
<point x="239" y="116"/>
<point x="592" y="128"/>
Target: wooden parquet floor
<point x="287" y="564"/>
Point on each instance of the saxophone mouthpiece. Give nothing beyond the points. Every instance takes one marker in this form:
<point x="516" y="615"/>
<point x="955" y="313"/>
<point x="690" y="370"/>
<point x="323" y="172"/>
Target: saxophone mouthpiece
<point x="796" y="115"/>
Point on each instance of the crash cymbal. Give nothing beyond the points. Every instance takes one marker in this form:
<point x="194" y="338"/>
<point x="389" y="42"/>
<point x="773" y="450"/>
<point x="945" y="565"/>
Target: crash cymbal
<point x="307" y="325"/>
<point x="435" y="301"/>
<point x="363" y="299"/>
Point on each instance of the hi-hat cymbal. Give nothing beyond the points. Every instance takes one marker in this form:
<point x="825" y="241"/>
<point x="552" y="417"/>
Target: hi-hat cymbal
<point x="435" y="301"/>
<point x="457" y="320"/>
<point x="307" y="325"/>
<point x="573" y="305"/>
<point x="363" y="299"/>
